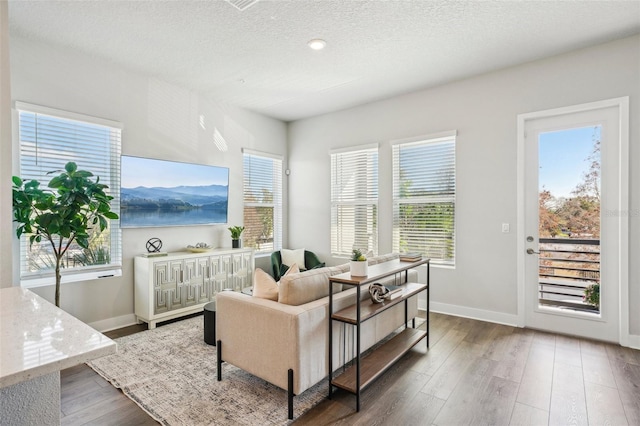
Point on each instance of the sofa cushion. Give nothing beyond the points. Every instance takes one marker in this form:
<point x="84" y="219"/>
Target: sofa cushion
<point x="383" y="258"/>
<point x="298" y="289"/>
<point x="345" y="267"/>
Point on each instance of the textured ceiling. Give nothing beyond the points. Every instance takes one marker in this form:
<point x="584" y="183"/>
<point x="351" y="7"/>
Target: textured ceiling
<point x="258" y="58"/>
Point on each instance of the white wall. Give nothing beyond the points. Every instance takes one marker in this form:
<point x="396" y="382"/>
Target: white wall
<point x="6" y="215"/>
<point x="160" y="121"/>
<point x="483" y="110"/>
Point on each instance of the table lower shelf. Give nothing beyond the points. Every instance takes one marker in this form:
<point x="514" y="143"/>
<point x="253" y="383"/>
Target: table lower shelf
<point x="379" y="360"/>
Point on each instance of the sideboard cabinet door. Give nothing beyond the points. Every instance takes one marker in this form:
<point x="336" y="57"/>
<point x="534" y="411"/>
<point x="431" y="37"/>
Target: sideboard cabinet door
<point x="243" y="267"/>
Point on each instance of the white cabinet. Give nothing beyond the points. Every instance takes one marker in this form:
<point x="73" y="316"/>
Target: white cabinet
<point x="182" y="283"/>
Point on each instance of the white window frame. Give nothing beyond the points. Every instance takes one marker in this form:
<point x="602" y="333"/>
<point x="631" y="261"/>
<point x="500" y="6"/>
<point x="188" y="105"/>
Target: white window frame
<point x="398" y="200"/>
<point x="345" y="193"/>
<point x="114" y="268"/>
<point x="277" y="164"/>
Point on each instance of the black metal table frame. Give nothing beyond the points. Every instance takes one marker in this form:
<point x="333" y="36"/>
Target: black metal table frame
<point x="359" y="323"/>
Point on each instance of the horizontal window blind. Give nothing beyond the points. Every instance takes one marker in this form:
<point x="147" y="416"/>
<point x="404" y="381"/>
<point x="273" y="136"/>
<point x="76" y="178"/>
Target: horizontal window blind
<point x="262" y="202"/>
<point x="48" y="140"/>
<point x="424" y="192"/>
<point x="354" y="201"/>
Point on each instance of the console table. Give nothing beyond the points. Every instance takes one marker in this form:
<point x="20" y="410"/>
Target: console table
<point x="357" y="377"/>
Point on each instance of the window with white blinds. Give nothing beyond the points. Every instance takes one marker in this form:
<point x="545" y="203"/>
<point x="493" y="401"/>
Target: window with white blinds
<point x="262" y="201"/>
<point x="354" y="200"/>
<point x="50" y="138"/>
<point x="424" y="197"/>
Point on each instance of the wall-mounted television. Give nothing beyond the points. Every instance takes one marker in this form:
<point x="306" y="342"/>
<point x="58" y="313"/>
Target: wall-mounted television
<point x="169" y="193"/>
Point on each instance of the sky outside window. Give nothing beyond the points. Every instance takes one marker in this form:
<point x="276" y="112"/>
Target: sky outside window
<point x="563" y="158"/>
<point x="152" y="173"/>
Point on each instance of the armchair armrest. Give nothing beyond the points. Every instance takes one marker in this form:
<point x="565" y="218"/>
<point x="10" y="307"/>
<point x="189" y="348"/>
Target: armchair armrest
<point x="276" y="263"/>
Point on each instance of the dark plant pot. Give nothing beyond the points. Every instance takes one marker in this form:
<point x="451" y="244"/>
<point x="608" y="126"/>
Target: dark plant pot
<point x="236" y="243"/>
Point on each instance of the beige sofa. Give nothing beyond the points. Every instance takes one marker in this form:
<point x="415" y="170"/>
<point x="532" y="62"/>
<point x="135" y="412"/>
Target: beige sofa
<point x="286" y="342"/>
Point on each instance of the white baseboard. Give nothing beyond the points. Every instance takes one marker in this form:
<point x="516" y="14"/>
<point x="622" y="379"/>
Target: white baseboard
<point x="633" y="341"/>
<point x="473" y="313"/>
<point x="114" y="323"/>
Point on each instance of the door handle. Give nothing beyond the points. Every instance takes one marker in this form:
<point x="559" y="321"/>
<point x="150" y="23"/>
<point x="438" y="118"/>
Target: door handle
<point x="532" y="251"/>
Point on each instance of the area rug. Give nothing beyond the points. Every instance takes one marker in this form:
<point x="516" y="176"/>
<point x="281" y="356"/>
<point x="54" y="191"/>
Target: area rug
<point x="171" y="374"/>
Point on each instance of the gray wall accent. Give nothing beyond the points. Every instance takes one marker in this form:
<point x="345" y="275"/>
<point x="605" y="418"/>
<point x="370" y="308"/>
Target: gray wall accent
<point x="483" y="110"/>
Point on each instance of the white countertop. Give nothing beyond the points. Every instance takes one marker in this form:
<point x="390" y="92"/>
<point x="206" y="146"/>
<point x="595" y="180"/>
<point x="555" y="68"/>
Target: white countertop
<point x="37" y="338"/>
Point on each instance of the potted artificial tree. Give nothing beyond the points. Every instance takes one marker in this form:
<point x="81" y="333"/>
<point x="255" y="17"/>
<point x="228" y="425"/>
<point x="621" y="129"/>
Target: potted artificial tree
<point x="236" y="232"/>
<point x="66" y="213"/>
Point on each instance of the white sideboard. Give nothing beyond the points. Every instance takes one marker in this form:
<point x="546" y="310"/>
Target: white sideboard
<point x="182" y="283"/>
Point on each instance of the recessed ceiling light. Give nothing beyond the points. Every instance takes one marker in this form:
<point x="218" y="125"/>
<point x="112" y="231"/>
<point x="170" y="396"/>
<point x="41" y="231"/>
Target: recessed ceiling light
<point x="317" y="44"/>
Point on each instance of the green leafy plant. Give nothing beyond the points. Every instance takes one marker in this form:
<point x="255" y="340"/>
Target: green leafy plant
<point x="70" y="210"/>
<point x="592" y="295"/>
<point x="236" y="231"/>
<point x="357" y="256"/>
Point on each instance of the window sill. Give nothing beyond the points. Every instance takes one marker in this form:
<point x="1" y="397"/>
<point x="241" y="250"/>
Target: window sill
<point x="85" y="276"/>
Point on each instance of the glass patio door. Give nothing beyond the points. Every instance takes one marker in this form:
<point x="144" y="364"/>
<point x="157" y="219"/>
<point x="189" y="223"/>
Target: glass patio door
<point x="572" y="242"/>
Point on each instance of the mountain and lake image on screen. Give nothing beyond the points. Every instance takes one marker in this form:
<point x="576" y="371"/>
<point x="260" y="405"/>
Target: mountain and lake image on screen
<point x="168" y="193"/>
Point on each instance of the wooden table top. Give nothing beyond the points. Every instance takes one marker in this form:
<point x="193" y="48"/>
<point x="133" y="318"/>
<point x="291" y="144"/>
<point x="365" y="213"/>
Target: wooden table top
<point x="378" y="271"/>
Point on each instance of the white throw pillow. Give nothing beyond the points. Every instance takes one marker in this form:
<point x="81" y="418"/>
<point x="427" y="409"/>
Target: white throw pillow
<point x="289" y="257"/>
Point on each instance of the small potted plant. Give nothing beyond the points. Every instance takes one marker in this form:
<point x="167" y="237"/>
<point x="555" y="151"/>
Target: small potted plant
<point x="236" y="232"/>
<point x="358" y="264"/>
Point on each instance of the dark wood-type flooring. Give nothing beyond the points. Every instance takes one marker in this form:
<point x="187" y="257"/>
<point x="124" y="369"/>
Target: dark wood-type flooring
<point x="475" y="373"/>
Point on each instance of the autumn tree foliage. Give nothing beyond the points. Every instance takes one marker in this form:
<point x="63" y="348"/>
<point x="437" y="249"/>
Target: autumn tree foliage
<point x="550" y="225"/>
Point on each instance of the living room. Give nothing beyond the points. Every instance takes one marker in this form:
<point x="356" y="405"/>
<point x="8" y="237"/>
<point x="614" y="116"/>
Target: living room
<point x="161" y="119"/>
